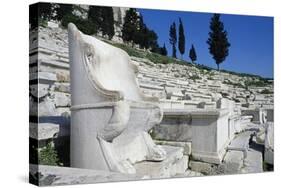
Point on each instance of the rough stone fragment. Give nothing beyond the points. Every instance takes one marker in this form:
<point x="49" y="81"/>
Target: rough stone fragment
<point x="253" y="163"/>
<point x="43" y="131"/>
<point x="175" y="163"/>
<point x="44" y="108"/>
<point x="62" y="87"/>
<point x="175" y="126"/>
<point x="63" y="76"/>
<point x="185" y="145"/>
<point x="233" y="161"/>
<point x="202" y="167"/>
<point x="61" y="99"/>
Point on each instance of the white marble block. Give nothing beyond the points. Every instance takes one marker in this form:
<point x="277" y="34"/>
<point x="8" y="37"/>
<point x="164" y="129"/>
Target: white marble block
<point x="259" y="114"/>
<point x="209" y="135"/>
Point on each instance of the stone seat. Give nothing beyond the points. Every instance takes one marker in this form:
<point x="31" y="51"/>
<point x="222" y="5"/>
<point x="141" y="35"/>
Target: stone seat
<point x="110" y="116"/>
<point x="175" y="163"/>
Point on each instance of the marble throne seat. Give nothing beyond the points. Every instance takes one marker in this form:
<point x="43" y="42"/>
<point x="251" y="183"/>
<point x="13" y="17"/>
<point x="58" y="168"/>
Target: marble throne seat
<point x="110" y="116"/>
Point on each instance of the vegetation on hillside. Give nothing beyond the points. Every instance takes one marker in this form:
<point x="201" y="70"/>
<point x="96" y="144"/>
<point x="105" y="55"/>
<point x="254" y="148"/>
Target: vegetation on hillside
<point x="135" y="31"/>
<point x="153" y="57"/>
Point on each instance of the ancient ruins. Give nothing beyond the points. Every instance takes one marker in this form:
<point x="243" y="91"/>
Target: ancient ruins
<point x="128" y="118"/>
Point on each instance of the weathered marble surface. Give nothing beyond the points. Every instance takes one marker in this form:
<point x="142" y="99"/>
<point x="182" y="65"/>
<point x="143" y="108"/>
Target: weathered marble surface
<point x="209" y="135"/>
<point x="43" y="131"/>
<point x="175" y="163"/>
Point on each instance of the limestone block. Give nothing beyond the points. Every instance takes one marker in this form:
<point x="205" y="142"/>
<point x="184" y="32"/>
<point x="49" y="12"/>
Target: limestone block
<point x="61" y="99"/>
<point x="171" y="104"/>
<point x="175" y="163"/>
<point x="44" y="108"/>
<point x="185" y="145"/>
<point x="43" y="77"/>
<point x="233" y="161"/>
<point x="175" y="126"/>
<point x="228" y="104"/>
<point x="253" y="163"/>
<point x="59" y="64"/>
<point x="62" y="87"/>
<point x="234" y="123"/>
<point x="63" y="76"/>
<point x="209" y="135"/>
<point x="191" y="104"/>
<point x="63" y="111"/>
<point x="202" y="167"/>
<point x="39" y="90"/>
<point x="43" y="131"/>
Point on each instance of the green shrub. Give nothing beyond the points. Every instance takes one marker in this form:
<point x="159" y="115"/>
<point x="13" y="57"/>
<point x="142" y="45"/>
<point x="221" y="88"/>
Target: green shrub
<point x="48" y="155"/>
<point x="43" y="22"/>
<point x="129" y="50"/>
<point x="258" y="83"/>
<point x="153" y="57"/>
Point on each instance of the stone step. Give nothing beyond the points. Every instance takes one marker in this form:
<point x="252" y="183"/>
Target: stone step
<point x="175" y="163"/>
<point x="189" y="173"/>
<point x="45" y="175"/>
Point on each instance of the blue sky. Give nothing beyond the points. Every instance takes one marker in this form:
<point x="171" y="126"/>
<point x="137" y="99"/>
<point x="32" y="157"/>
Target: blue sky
<point x="251" y="38"/>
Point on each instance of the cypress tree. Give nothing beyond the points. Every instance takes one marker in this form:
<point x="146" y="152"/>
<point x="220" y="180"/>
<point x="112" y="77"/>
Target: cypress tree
<point x="142" y="34"/>
<point x="181" y="38"/>
<point x="173" y="39"/>
<point x="63" y="10"/>
<point x="164" y="50"/>
<point x="39" y="13"/>
<point x="192" y="54"/>
<point x="130" y="26"/>
<point x="218" y="41"/>
<point x="95" y="17"/>
<point x="107" y="23"/>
